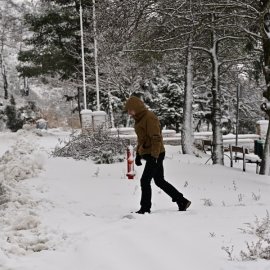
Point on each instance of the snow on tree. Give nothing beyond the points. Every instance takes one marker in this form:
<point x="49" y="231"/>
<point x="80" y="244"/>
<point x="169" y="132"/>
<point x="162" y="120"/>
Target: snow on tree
<point x="164" y="93"/>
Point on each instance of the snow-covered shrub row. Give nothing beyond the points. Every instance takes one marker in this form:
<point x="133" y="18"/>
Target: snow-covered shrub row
<point x="98" y="146"/>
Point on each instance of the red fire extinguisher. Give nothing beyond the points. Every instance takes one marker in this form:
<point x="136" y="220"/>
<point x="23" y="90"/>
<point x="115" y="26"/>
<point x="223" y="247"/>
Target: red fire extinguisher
<point x="130" y="162"/>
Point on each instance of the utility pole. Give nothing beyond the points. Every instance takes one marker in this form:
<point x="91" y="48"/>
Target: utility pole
<point x="95" y="53"/>
<point x="83" y="65"/>
<point x="237" y="114"/>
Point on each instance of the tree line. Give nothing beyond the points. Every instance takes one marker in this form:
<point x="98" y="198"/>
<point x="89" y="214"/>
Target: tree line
<point x="186" y="58"/>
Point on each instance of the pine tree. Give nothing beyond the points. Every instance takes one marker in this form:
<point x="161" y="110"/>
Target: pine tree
<point x="12" y="100"/>
<point x="14" y="122"/>
<point x="165" y="94"/>
<point x="54" y="47"/>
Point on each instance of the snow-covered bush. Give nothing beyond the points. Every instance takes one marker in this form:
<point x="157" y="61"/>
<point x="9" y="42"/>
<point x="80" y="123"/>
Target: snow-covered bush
<point x="98" y="146"/>
<point x="3" y="118"/>
<point x="261" y="248"/>
<point x="29" y="112"/>
<point x="14" y="121"/>
<point x="258" y="249"/>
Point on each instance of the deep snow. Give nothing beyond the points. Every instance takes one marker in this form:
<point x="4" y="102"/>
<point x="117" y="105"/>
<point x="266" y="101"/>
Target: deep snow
<point x="62" y="214"/>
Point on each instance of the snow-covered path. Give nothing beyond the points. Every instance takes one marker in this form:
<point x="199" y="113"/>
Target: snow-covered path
<point x="83" y="217"/>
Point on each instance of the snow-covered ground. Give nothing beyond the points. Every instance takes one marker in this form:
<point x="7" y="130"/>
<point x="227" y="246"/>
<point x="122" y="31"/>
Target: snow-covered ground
<point x="62" y="214"/>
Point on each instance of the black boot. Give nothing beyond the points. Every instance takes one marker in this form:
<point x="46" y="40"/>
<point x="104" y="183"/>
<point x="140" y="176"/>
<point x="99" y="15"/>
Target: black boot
<point x="142" y="211"/>
<point x="183" y="204"/>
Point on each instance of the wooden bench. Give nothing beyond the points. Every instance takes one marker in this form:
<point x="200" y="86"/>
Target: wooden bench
<point x="206" y="144"/>
<point x="242" y="153"/>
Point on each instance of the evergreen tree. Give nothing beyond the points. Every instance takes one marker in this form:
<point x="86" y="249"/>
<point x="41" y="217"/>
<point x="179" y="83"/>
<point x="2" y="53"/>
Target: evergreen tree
<point x="165" y="95"/>
<point x="55" y="45"/>
<point x="14" y="121"/>
<point x="12" y="100"/>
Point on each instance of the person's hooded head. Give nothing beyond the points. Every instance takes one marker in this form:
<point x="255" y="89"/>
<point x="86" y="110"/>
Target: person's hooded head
<point x="135" y="107"/>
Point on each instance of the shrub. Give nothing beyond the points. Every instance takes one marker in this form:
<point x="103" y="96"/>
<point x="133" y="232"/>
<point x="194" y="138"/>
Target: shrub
<point x="99" y="146"/>
<point x="258" y="249"/>
<point x="261" y="248"/>
<point x="14" y="122"/>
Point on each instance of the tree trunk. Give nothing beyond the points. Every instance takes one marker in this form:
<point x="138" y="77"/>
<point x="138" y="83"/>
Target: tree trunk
<point x="25" y="86"/>
<point x="4" y="76"/>
<point x="187" y="129"/>
<point x="79" y="104"/>
<point x="111" y="110"/>
<point x="216" y="111"/>
<point x="265" y="165"/>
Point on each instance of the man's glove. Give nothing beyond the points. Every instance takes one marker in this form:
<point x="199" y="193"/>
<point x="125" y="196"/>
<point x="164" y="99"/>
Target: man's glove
<point x="138" y="160"/>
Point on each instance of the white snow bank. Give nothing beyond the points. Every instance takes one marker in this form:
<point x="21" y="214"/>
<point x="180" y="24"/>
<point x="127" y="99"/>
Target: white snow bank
<point x="6" y="140"/>
<point x="19" y="226"/>
<point x="22" y="161"/>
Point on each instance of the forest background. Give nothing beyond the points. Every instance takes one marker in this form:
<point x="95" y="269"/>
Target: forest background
<point x="192" y="61"/>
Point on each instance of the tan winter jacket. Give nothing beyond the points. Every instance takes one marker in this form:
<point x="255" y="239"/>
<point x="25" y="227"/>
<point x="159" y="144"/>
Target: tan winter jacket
<point x="147" y="128"/>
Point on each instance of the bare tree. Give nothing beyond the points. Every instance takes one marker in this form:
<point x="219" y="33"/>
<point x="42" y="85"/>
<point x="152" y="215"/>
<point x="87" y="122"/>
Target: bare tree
<point x="212" y="26"/>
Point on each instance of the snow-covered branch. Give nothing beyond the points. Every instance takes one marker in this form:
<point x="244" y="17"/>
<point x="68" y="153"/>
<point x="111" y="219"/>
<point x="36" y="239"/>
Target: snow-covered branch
<point x="201" y="49"/>
<point x="157" y="50"/>
<point x="255" y="35"/>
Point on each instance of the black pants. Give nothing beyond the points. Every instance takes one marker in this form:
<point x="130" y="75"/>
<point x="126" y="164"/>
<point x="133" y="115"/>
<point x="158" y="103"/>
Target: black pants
<point x="155" y="171"/>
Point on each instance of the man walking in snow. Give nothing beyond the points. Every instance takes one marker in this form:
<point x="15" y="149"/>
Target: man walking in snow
<point x="150" y="148"/>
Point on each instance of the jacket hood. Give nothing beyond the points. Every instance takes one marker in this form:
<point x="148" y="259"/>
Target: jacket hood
<point x="136" y="104"/>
